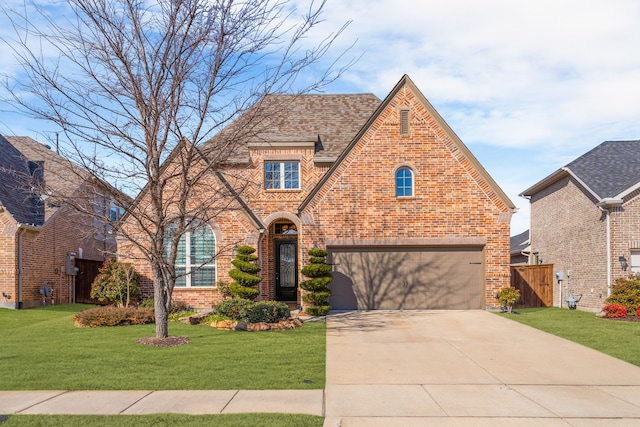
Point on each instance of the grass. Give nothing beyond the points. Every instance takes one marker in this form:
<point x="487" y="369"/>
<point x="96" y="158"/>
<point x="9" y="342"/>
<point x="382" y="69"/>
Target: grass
<point x="43" y="350"/>
<point x="616" y="338"/>
<point x="158" y="420"/>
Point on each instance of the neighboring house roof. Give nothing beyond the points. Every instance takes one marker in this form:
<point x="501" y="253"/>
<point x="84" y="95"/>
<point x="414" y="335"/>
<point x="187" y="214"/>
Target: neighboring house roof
<point x="406" y="81"/>
<point x="520" y="243"/>
<point x="609" y="171"/>
<point x="15" y="194"/>
<point x="60" y="177"/>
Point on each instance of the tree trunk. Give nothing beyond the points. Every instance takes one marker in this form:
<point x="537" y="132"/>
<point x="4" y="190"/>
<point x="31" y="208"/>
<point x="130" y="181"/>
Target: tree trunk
<point x="160" y="305"/>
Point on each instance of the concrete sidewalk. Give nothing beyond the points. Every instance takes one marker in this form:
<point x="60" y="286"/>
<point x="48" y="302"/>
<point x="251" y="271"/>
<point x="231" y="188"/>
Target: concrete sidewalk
<point x="414" y="368"/>
<point x="450" y="368"/>
<point x="131" y="402"/>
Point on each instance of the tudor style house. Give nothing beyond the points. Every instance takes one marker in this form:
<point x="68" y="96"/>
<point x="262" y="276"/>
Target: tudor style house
<point x="42" y="241"/>
<point x="585" y="220"/>
<point x="409" y="217"/>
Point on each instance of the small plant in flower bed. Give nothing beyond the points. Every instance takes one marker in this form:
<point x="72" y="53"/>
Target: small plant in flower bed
<point x="114" y="316"/>
<point x="615" y="311"/>
<point x="247" y="311"/>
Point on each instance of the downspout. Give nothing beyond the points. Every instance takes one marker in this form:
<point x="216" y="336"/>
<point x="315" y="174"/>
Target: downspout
<point x="21" y="231"/>
<point x="605" y="205"/>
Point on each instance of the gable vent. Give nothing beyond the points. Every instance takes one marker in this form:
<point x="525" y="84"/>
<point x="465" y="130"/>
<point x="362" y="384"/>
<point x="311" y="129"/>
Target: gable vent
<point x="404" y="122"/>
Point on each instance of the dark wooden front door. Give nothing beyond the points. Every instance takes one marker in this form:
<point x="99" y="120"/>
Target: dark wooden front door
<point x="286" y="270"/>
<point x="87" y="272"/>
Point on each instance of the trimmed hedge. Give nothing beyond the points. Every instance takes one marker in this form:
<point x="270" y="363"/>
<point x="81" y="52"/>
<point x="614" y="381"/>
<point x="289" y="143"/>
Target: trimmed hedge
<point x="317" y="292"/>
<point x="114" y="316"/>
<point x="254" y="312"/>
<point x="244" y="274"/>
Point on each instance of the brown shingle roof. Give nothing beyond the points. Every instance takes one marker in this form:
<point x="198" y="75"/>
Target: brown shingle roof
<point x="60" y="176"/>
<point x="331" y="120"/>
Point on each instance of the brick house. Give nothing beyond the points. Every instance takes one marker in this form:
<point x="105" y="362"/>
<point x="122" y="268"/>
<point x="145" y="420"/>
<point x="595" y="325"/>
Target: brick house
<point x="39" y="237"/>
<point x="585" y="220"/>
<point x="409" y="217"/>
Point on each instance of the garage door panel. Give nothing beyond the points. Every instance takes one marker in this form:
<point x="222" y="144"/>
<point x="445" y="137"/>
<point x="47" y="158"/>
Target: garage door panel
<point x="407" y="278"/>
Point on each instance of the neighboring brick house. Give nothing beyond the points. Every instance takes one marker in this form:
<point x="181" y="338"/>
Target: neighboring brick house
<point x="409" y="217"/>
<point x="520" y="248"/>
<point x="585" y="220"/>
<point x="38" y="235"/>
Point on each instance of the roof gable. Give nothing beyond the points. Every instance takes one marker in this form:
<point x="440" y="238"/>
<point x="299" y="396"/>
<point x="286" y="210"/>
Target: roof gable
<point x="610" y="170"/>
<point x="474" y="168"/>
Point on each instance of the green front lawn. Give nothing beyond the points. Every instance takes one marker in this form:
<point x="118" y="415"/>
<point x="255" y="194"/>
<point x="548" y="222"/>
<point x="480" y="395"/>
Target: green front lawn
<point x="224" y="420"/>
<point x="41" y="349"/>
<point x="620" y="339"/>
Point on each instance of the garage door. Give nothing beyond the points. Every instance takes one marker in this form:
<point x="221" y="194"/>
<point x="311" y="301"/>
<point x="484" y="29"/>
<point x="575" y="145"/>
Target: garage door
<point x="407" y="278"/>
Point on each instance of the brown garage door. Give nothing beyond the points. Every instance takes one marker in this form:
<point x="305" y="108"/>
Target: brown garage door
<point x="410" y="278"/>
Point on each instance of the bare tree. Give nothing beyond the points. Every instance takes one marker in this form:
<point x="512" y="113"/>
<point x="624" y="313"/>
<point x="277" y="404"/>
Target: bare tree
<point x="138" y="86"/>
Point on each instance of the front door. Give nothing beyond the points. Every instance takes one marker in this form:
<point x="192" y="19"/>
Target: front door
<point x="286" y="270"/>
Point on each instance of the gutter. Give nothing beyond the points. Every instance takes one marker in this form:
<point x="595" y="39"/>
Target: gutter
<point x="605" y="206"/>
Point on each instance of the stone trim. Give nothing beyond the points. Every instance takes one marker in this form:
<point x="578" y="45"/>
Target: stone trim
<point x="448" y="241"/>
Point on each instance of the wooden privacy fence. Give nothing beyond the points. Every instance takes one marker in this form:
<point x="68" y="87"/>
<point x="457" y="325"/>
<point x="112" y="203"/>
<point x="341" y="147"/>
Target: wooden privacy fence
<point x="535" y="283"/>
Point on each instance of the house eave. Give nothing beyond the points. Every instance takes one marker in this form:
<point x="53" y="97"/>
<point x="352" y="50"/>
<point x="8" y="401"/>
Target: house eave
<point x="555" y="177"/>
<point x="545" y="182"/>
<point x="303" y="143"/>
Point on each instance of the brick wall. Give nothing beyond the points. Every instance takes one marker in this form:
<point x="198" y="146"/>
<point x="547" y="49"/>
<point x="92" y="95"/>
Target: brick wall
<point x="43" y="257"/>
<point x="625" y="233"/>
<point x="568" y="230"/>
<point x="452" y="200"/>
<point x="8" y="273"/>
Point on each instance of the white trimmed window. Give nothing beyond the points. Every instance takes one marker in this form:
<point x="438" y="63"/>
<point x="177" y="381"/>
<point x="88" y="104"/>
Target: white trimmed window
<point x="195" y="261"/>
<point x="282" y="175"/>
<point x="635" y="261"/>
<point x="404" y="182"/>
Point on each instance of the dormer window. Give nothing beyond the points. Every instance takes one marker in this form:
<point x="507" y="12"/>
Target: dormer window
<point x="282" y="175"/>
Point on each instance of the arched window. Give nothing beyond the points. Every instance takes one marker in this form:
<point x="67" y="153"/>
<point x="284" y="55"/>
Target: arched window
<point x="404" y="182"/>
<point x="195" y="261"/>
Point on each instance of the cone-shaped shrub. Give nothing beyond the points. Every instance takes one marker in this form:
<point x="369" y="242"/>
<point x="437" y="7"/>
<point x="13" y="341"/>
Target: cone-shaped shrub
<point x="244" y="274"/>
<point x="317" y="293"/>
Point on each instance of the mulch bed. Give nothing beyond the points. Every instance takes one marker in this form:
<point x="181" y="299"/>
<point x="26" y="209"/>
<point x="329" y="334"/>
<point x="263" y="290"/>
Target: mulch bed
<point x="625" y="319"/>
<point x="164" y="342"/>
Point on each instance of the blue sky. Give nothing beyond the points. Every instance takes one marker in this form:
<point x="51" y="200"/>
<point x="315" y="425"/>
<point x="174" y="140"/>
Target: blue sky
<point x="527" y="85"/>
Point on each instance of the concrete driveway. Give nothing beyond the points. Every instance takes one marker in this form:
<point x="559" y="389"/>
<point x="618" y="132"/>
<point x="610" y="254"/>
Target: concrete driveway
<point x="449" y="368"/>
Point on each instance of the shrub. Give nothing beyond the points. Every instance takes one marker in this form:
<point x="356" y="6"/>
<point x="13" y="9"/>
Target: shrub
<point x="244" y="274"/>
<point x="268" y="311"/>
<point x="319" y="310"/>
<point x="626" y="291"/>
<point x="615" y="311"/>
<point x="507" y="297"/>
<point x="223" y="288"/>
<point x="114" y="316"/>
<point x="117" y="282"/>
<point x="316" y="288"/>
<point x="235" y="308"/>
<point x="147" y="303"/>
<point x="176" y="306"/>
